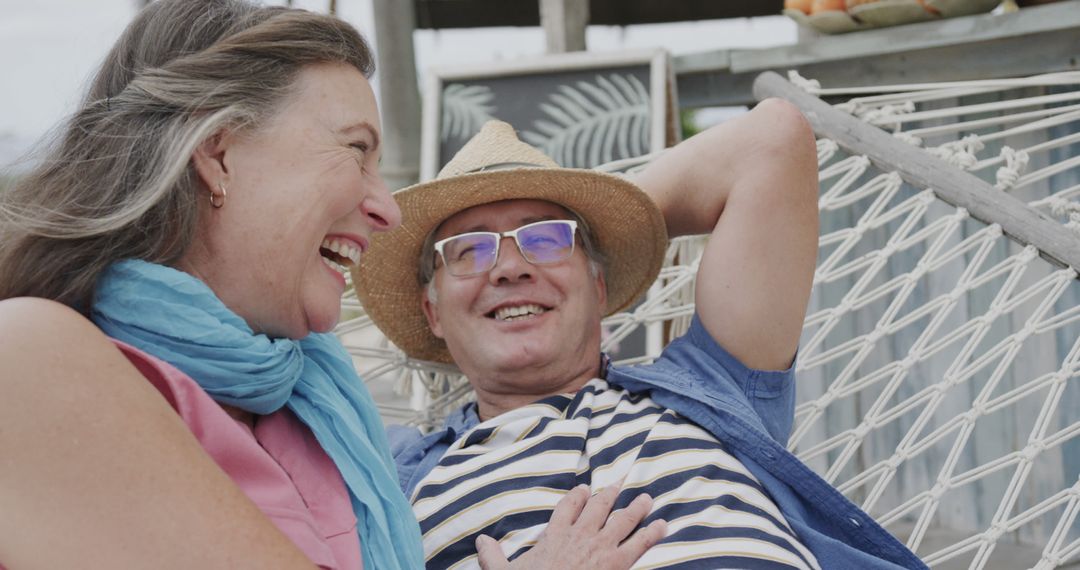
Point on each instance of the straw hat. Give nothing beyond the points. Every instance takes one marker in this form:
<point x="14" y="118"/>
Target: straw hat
<point x="494" y="166"/>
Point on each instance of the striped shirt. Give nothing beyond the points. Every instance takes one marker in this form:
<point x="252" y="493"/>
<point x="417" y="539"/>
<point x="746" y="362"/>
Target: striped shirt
<point x="504" y="477"/>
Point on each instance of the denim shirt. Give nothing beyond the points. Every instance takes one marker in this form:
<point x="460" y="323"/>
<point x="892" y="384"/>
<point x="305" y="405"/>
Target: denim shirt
<point x="751" y="412"/>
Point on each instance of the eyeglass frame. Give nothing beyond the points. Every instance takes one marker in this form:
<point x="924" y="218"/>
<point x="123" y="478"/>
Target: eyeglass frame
<point x="499" y="236"/>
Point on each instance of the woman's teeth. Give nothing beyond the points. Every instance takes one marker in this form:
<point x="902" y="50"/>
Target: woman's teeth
<point x="335" y="265"/>
<point x="519" y="312"/>
<point x="343" y="249"/>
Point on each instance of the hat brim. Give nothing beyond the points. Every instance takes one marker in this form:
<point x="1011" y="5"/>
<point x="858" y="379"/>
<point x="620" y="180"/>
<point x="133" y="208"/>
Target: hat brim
<point x="628" y="227"/>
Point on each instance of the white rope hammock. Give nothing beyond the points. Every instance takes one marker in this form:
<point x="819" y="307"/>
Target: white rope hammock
<point x="939" y="369"/>
<point x="975" y="136"/>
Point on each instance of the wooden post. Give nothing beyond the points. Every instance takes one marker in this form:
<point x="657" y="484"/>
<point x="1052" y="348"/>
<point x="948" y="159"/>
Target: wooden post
<point x="921" y="169"/>
<point x="399" y="95"/>
<point x="564" y="23"/>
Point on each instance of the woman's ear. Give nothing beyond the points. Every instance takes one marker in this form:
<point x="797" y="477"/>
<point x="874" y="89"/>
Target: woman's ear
<point x="209" y="160"/>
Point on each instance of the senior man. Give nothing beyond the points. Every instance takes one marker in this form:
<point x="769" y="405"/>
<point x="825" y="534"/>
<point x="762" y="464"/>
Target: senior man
<point x="505" y="265"/>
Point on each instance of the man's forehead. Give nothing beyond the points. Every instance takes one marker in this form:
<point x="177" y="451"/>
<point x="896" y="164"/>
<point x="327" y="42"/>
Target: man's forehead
<point x="486" y="217"/>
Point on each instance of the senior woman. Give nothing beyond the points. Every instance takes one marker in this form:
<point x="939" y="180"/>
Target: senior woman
<point x="168" y="395"/>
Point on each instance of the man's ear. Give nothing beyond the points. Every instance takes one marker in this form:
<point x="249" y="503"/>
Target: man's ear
<point x="209" y="160"/>
<point x="431" y="311"/>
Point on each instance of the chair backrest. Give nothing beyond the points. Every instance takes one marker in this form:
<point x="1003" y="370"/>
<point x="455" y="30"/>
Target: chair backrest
<point x="939" y="370"/>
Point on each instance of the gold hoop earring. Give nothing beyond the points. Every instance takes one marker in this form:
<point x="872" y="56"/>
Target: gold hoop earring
<point x="214" y="201"/>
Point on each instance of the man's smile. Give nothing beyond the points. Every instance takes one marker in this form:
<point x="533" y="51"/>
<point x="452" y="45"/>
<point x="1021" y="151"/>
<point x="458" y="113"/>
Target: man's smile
<point x="517" y="312"/>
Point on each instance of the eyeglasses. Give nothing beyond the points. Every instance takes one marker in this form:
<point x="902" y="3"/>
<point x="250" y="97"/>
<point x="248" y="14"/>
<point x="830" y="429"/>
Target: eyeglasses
<point x="473" y="253"/>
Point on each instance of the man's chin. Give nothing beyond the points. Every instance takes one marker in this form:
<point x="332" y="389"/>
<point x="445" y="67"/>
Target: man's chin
<point x="516" y="358"/>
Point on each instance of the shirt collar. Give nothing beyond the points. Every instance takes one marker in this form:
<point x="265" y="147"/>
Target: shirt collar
<point x="467" y="417"/>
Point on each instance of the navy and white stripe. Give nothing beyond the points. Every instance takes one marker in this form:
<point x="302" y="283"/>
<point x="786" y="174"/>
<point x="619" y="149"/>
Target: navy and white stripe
<point x="505" y="476"/>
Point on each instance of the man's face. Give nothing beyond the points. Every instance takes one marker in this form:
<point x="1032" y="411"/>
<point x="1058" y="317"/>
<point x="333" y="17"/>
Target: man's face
<point x="501" y="350"/>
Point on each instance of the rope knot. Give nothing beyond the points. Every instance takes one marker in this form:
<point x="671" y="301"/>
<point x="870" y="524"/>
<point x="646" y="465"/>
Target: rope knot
<point x="811" y="86"/>
<point x="1016" y="162"/>
<point x="1061" y="206"/>
<point x="908" y="138"/>
<point x="887" y="115"/>
<point x="826" y="148"/>
<point x="959" y="153"/>
<point x="1074" y="222"/>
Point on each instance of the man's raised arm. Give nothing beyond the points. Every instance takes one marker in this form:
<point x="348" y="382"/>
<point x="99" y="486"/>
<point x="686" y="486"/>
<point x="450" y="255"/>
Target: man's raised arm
<point x="752" y="184"/>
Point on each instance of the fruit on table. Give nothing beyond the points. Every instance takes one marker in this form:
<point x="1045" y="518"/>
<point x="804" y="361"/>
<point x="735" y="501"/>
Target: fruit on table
<point x="852" y="3"/>
<point x="800" y="5"/>
<point x="817" y="6"/>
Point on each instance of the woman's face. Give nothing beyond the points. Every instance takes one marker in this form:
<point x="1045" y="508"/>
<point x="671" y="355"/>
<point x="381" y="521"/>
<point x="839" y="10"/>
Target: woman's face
<point x="303" y="198"/>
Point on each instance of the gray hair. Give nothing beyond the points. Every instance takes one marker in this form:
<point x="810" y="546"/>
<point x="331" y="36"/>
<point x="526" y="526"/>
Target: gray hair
<point x="597" y="260"/>
<point x="118" y="182"/>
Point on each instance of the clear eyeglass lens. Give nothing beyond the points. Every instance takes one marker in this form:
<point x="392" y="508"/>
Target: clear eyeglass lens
<point x="469" y="254"/>
<point x="546" y="242"/>
<point x="473" y="253"/>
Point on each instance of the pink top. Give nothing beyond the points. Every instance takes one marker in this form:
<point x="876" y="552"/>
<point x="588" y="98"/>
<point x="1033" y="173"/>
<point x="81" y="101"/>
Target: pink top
<point x="279" y="466"/>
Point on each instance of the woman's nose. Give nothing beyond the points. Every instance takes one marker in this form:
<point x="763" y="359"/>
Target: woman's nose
<point x="381" y="209"/>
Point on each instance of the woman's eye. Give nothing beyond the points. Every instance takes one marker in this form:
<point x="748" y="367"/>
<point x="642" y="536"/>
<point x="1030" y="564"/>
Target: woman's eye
<point x="360" y="146"/>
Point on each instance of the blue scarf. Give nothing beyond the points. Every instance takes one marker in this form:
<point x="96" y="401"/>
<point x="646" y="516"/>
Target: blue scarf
<point x="177" y="318"/>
